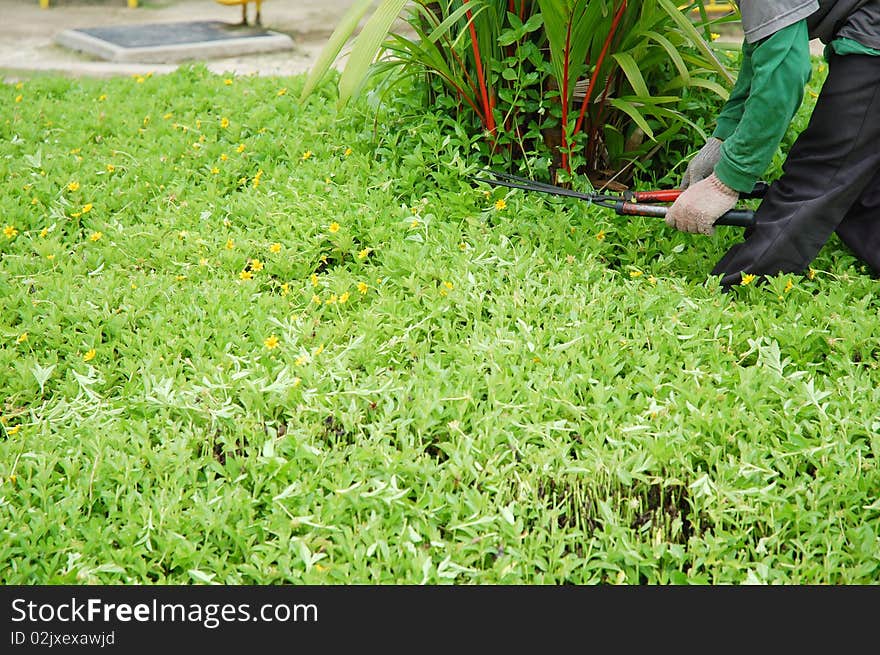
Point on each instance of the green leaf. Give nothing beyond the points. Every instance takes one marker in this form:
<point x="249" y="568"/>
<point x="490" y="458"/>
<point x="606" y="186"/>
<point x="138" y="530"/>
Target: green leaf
<point x="346" y="27"/>
<point x="366" y="46"/>
<point x="695" y="38"/>
<point x="630" y="110"/>
<point x="631" y="70"/>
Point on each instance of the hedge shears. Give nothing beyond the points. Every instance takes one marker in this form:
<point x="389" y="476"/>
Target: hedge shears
<point x="628" y="203"/>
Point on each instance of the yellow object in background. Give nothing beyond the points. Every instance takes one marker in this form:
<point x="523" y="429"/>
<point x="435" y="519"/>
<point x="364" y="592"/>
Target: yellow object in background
<point x="720" y="7"/>
<point x="132" y="4"/>
<point x="244" y="4"/>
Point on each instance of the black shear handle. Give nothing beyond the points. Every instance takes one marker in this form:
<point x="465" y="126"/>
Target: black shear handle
<point x="737" y="217"/>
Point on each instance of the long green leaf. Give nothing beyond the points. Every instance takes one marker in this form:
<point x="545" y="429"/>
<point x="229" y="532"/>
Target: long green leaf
<point x="695" y="38"/>
<point x="671" y="52"/>
<point x="630" y="110"/>
<point x="631" y="70"/>
<point x="366" y="46"/>
<point x="346" y="27"/>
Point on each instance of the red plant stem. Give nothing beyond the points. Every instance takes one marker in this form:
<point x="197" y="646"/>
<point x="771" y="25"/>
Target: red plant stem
<point x="599" y="62"/>
<point x="484" y="91"/>
<point x="522" y="9"/>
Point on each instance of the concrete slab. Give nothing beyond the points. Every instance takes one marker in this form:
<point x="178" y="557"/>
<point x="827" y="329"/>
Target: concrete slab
<point x="173" y="42"/>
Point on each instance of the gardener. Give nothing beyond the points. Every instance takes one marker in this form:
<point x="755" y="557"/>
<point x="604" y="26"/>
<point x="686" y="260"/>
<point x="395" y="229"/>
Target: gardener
<point x="831" y="178"/>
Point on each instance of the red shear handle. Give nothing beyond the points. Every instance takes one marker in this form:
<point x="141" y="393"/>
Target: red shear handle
<point x="736" y="217"/>
<point x="665" y="195"/>
<point x="671" y="195"/>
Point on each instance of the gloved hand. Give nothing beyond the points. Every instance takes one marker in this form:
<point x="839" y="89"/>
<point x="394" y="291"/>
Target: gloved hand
<point x="703" y="163"/>
<point x="700" y="205"/>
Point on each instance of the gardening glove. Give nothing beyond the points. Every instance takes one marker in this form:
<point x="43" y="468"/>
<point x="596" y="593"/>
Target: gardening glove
<point x="703" y="163"/>
<point x="700" y="205"/>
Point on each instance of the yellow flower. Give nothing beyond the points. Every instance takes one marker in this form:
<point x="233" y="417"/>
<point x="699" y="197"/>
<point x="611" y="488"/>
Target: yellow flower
<point x="180" y="278"/>
<point x="363" y="253"/>
<point x="13" y="430"/>
<point x="334" y="227"/>
<point x="230" y="244"/>
<point x="306" y="155"/>
<point x="282" y="92"/>
<point x="203" y="261"/>
<point x="167" y="116"/>
<point x="110" y="168"/>
<point x="500" y="204"/>
<point x="344" y="298"/>
<point x="715" y="36"/>
<point x="347" y="152"/>
<point x="747" y="278"/>
<point x="50" y="256"/>
<point x="224" y="157"/>
<point x="240" y="148"/>
<point x="257" y="178"/>
<point x="414" y="224"/>
<point x="18" y="97"/>
<point x="73" y="186"/>
<point x="652" y="280"/>
<point x="271" y="342"/>
<point x="302" y="359"/>
<point x="318" y="350"/>
<point x="448" y="285"/>
<point x="22" y="337"/>
<point x="812" y="273"/>
<point x="316" y="299"/>
<point x="362" y="287"/>
<point x="332" y="299"/>
<point x="256" y="265"/>
<point x="246" y="275"/>
<point x="139" y="79"/>
<point x="87" y="208"/>
<point x="635" y="273"/>
<point x="227" y="81"/>
<point x="89" y="355"/>
<point x="9" y="231"/>
<point x="224" y="122"/>
<point x="314" y="279"/>
<point x="789" y="285"/>
<point x="285" y="289"/>
<point x="600" y="236"/>
<point x="95" y="236"/>
<point x="214" y="170"/>
<point x="296" y="382"/>
<point x="275" y="248"/>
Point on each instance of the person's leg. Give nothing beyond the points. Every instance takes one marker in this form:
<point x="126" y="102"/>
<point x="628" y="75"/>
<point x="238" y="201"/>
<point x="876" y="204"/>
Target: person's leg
<point x="827" y="170"/>
<point x="860" y="229"/>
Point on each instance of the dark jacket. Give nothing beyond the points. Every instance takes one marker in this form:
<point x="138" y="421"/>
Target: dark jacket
<point x="826" y="19"/>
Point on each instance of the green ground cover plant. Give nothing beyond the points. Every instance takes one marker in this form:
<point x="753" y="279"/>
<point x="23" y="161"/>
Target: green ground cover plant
<point x="247" y="340"/>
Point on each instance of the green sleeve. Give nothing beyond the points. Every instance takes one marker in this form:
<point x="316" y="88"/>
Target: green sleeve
<point x="780" y="68"/>
<point x="730" y="115"/>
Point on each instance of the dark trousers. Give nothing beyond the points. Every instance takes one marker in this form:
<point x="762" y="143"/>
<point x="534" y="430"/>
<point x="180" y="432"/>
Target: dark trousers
<point x="830" y="182"/>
